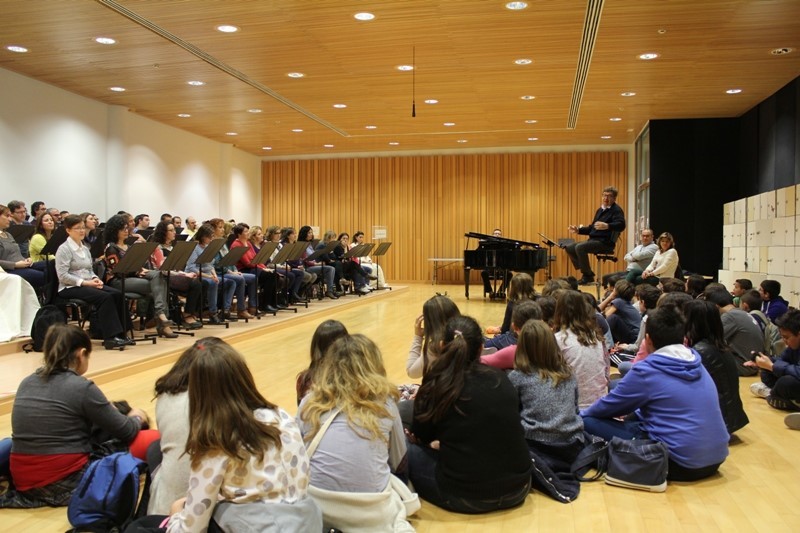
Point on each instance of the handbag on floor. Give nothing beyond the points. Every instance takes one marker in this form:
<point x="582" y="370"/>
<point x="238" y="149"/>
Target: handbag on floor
<point x="635" y="464"/>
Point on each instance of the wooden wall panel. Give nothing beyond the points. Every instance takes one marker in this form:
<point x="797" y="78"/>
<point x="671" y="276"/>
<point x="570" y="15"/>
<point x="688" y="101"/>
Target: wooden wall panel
<point x="427" y="203"/>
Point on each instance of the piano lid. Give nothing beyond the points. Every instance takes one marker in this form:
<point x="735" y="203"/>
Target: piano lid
<point x="499" y="242"/>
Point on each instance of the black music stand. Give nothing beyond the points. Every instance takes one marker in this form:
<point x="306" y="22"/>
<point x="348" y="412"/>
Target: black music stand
<point x="381" y="251"/>
<point x="58" y="238"/>
<point x="563" y="243"/>
<point x="287" y="251"/>
<point x="205" y="258"/>
<point x="296" y="254"/>
<point x="21" y="232"/>
<point x="229" y="260"/>
<point x="98" y="247"/>
<point x="176" y="260"/>
<point x="262" y="257"/>
<point x="131" y="263"/>
<point x="547" y="241"/>
<point x="360" y="250"/>
<point x="329" y="248"/>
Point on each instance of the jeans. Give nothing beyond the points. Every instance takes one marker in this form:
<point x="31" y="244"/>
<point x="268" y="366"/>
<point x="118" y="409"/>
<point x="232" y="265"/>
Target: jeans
<point x="422" y="462"/>
<point x="326" y="271"/>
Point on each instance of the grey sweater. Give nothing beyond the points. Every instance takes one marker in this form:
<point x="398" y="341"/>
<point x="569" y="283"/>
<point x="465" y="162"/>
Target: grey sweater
<point x="549" y="414"/>
<point x="55" y="415"/>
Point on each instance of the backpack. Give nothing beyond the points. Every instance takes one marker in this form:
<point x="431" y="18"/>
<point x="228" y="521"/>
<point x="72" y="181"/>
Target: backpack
<point x="773" y="343"/>
<point x="113" y="492"/>
<point x="45" y="317"/>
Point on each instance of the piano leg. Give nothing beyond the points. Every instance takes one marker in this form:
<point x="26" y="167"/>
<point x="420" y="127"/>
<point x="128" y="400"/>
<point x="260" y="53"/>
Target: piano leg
<point x="466" y="282"/>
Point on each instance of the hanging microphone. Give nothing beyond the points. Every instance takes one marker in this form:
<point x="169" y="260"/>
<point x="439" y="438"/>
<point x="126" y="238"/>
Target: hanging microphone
<point x="413" y="109"/>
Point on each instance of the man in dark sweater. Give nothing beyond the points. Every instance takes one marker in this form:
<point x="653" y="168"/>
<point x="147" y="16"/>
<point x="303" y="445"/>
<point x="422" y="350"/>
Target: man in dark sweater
<point x="608" y="222"/>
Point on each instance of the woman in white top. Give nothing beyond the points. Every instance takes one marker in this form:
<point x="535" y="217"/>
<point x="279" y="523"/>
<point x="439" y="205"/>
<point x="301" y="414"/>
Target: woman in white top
<point x="663" y="265"/>
<point x="76" y="279"/>
<point x="581" y="342"/>
<point x="367" y="263"/>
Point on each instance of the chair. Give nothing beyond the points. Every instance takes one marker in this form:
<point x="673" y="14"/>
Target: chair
<point x="79" y="310"/>
<point x="603" y="258"/>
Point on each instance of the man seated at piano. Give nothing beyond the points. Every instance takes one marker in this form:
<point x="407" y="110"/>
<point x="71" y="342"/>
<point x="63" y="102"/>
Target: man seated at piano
<point x="494" y="273"/>
<point x="608" y="222"/>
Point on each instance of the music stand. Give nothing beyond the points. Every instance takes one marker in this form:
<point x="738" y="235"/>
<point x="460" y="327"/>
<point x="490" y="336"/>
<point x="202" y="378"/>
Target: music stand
<point x="176" y="260"/>
<point x="98" y="247"/>
<point x="262" y="257"/>
<point x="550" y="257"/>
<point x="207" y="257"/>
<point x="287" y="251"/>
<point x="131" y="263"/>
<point x="181" y="237"/>
<point x="229" y="260"/>
<point x="563" y="243"/>
<point x="21" y="232"/>
<point x="297" y="251"/>
<point x="58" y="238"/>
<point x="380" y="251"/>
<point x="330" y="247"/>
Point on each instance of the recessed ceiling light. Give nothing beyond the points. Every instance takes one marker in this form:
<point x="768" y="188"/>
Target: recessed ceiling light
<point x="528" y="97"/>
<point x="17" y="49"/>
<point x="405" y="67"/>
<point x="628" y="93"/>
<point x="254" y="110"/>
<point x="364" y="16"/>
<point x="104" y="40"/>
<point x="523" y="61"/>
<point x="184" y="115"/>
<point x="648" y="55"/>
<point x="227" y="28"/>
<point x="605" y="137"/>
<point x="448" y="124"/>
<point x="196" y="83"/>
<point x="630" y="130"/>
<point x="733" y="91"/>
<point x="393" y="143"/>
<point x="431" y="101"/>
<point x="118" y="89"/>
<point x="371" y="127"/>
<point x="615" y="119"/>
<point x="296" y="75"/>
<point x="327" y="146"/>
<point x="781" y="51"/>
<point x="662" y="31"/>
<point x="533" y="138"/>
<point x="231" y="134"/>
<point x="297" y="130"/>
<point x="531" y="121"/>
<point x="266" y="147"/>
<point x="516" y="6"/>
<point x="339" y="106"/>
<point x="461" y="141"/>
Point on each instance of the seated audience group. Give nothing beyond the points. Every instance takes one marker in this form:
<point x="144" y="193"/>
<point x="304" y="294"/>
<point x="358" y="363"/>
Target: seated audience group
<point x="83" y="270"/>
<point x="493" y="416"/>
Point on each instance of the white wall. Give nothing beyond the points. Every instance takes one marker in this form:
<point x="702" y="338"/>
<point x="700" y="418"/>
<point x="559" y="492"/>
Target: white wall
<point x="82" y="155"/>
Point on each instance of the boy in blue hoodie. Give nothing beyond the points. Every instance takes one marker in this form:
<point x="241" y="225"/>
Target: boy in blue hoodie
<point x="672" y="399"/>
<point x="773" y="303"/>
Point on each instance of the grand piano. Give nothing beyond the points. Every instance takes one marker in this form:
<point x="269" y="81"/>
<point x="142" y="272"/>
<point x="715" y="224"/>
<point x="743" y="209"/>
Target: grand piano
<point x="502" y="255"/>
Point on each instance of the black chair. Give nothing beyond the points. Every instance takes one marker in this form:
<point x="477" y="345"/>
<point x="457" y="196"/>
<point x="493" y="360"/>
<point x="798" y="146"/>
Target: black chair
<point x="603" y="258"/>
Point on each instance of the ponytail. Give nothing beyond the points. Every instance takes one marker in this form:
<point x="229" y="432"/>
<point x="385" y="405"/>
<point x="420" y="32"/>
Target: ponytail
<point x="61" y="345"/>
<point x="443" y="383"/>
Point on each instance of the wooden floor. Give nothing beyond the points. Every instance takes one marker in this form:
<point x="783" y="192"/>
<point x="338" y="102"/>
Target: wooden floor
<point x="754" y="491"/>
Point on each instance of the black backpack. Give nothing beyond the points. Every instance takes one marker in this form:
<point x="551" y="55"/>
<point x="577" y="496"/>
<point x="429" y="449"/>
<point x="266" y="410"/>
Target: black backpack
<point x="45" y="317"/>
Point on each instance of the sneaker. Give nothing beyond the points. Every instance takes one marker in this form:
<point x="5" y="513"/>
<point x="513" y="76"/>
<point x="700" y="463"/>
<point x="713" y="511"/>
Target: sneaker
<point x="760" y="390"/>
<point x="780" y="403"/>
<point x="792" y="421"/>
<point x="364" y="290"/>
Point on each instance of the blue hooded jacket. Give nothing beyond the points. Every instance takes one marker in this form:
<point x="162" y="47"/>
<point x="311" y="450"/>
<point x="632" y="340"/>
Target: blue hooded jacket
<point x="676" y="400"/>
